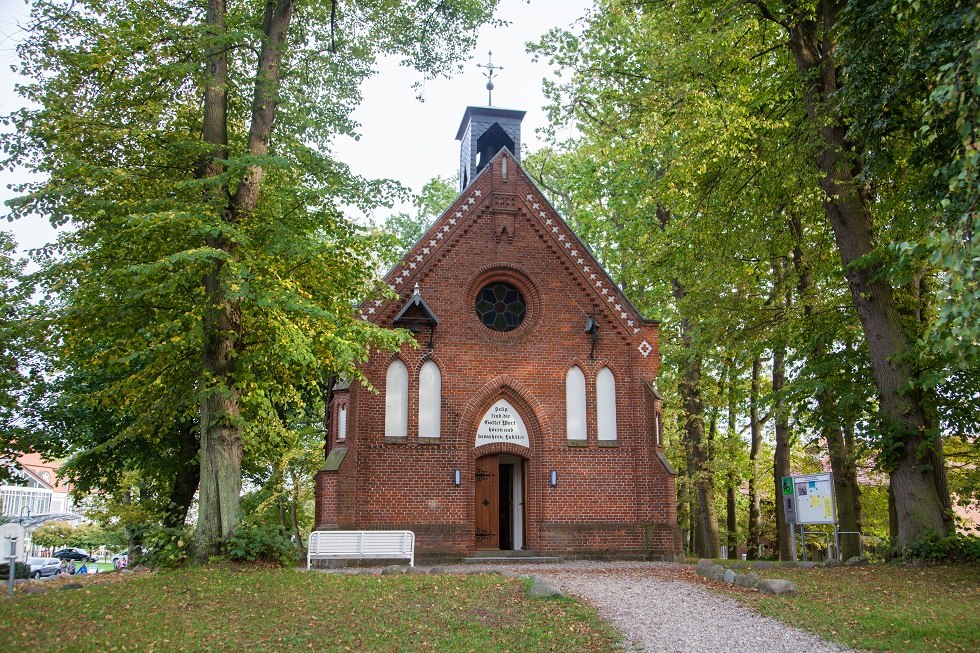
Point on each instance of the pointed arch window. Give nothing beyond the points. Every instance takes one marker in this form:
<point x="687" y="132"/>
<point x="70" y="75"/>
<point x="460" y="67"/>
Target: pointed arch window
<point x="430" y="400"/>
<point x="605" y="386"/>
<point x="575" y="404"/>
<point x="396" y="400"/>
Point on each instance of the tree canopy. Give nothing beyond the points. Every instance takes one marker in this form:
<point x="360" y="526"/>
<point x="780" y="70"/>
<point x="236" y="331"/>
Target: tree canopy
<point x="207" y="279"/>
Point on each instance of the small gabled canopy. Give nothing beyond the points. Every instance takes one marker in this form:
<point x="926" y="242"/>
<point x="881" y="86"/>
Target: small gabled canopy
<point x="416" y="312"/>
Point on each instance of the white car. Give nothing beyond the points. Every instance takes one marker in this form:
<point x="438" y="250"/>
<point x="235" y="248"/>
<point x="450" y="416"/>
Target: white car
<point x="41" y="567"/>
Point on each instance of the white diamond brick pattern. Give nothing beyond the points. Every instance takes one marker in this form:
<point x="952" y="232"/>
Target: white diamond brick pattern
<point x="644" y="347"/>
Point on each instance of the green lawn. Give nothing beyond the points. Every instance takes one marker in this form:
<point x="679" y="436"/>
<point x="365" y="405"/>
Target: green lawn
<point x="221" y="608"/>
<point x="882" y="607"/>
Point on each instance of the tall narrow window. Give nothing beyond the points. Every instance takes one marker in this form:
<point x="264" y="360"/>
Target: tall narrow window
<point x="605" y="386"/>
<point x="575" y="404"/>
<point x="430" y="400"/>
<point x="396" y="400"/>
<point x="342" y="422"/>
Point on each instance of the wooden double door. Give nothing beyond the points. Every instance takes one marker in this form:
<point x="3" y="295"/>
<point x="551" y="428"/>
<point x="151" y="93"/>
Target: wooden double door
<point x="499" y="502"/>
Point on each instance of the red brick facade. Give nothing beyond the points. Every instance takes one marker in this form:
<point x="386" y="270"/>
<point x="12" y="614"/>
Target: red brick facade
<point x="611" y="498"/>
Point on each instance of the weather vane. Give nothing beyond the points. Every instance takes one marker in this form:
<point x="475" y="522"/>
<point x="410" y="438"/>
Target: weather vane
<point x="491" y="69"/>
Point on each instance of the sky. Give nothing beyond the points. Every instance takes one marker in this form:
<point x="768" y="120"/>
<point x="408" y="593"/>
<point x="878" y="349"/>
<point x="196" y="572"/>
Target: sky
<point x="390" y="109"/>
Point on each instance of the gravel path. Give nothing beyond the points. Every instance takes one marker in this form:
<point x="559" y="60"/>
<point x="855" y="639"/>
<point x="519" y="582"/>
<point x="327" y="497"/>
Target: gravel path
<point x="664" y="608"/>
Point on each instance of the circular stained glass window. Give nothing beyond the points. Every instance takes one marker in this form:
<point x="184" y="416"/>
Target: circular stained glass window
<point x="501" y="306"/>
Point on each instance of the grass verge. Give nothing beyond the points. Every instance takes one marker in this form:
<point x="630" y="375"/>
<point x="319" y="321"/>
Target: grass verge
<point x="223" y="608"/>
<point x="912" y="609"/>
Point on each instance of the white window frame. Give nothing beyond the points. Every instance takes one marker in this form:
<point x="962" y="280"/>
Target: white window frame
<point x="430" y="400"/>
<point x="605" y="387"/>
<point x="576" y="421"/>
<point x="396" y="400"/>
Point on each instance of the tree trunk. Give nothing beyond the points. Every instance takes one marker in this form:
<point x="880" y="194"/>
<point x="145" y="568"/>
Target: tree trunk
<point x="293" y="508"/>
<point x="915" y="459"/>
<point x="734" y="443"/>
<point x="781" y="462"/>
<point x="755" y="505"/>
<point x="707" y="540"/>
<point x="222" y="446"/>
<point x="847" y="493"/>
<point x="842" y="451"/>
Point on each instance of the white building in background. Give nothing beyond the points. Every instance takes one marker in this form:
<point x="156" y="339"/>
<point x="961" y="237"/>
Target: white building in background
<point x="33" y="494"/>
<point x="34" y="489"/>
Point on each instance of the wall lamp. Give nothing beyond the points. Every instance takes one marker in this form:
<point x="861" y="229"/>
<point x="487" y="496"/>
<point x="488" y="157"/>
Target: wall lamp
<point x="592" y="328"/>
<point x="457" y="478"/>
<point x="553" y="478"/>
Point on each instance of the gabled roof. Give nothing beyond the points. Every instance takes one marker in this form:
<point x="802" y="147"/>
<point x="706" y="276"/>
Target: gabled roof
<point x="25" y="473"/>
<point x="548" y="224"/>
<point x="416" y="301"/>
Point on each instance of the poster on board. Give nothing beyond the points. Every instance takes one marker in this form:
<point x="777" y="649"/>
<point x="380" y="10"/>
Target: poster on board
<point x="814" y="498"/>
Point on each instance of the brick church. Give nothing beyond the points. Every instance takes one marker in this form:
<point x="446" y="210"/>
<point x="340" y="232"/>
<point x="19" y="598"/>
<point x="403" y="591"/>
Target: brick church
<point x="526" y="418"/>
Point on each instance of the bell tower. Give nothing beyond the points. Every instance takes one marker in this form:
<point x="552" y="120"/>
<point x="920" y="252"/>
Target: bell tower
<point x="482" y="133"/>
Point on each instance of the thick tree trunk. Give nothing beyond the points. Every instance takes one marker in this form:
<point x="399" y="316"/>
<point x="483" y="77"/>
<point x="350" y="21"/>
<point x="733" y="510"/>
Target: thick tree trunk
<point x="916" y="462"/>
<point x="841" y="449"/>
<point x="222" y="447"/>
<point x="781" y="463"/>
<point x="755" y="504"/>
<point x="707" y="541"/>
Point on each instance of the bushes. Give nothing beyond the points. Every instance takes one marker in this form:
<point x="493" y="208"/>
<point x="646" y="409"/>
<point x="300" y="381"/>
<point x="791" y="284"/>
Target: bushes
<point x="952" y="548"/>
<point x="166" y="547"/>
<point x="261" y="542"/>
<point x="21" y="570"/>
<point x="170" y="547"/>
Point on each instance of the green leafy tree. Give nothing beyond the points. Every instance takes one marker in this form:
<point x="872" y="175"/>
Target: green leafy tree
<point x="20" y="368"/>
<point x="52" y="534"/>
<point x="209" y="263"/>
<point x="407" y="228"/>
<point x="739" y="124"/>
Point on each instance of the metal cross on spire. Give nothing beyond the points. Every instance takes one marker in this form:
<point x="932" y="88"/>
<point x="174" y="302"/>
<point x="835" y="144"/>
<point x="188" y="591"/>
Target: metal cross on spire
<point x="490" y="70"/>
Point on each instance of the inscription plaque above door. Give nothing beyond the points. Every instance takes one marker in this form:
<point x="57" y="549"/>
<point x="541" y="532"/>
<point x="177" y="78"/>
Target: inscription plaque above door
<point x="502" y="423"/>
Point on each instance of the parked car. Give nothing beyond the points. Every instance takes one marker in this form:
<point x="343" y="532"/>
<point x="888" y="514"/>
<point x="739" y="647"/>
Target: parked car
<point x="41" y="567"/>
<point x="71" y="553"/>
<point x="122" y="558"/>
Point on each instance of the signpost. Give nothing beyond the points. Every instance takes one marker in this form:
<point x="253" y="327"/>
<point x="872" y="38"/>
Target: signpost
<point x="13" y="565"/>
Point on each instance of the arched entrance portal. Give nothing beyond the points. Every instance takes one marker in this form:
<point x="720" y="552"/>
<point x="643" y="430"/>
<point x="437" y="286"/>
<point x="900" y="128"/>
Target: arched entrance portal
<point x="501" y="479"/>
<point x="500" y="510"/>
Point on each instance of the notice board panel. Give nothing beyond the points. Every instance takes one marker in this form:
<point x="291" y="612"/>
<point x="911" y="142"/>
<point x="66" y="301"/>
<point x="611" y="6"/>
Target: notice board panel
<point x="814" y="495"/>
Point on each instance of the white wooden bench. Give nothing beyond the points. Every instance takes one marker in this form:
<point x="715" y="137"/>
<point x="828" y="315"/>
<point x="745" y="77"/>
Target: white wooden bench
<point x="360" y="545"/>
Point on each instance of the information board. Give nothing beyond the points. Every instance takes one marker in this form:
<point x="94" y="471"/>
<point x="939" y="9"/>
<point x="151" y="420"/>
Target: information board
<point x="814" y="499"/>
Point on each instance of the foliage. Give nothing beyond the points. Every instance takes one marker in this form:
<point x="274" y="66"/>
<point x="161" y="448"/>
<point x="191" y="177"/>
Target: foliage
<point x="283" y="481"/>
<point x="951" y="548"/>
<point x="261" y="542"/>
<point x="166" y="547"/>
<point x="52" y="534"/>
<point x="20" y="371"/>
<point x="208" y="279"/>
<point x="693" y="178"/>
<point x="407" y="228"/>
<point x="912" y="608"/>
<point x="21" y="570"/>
